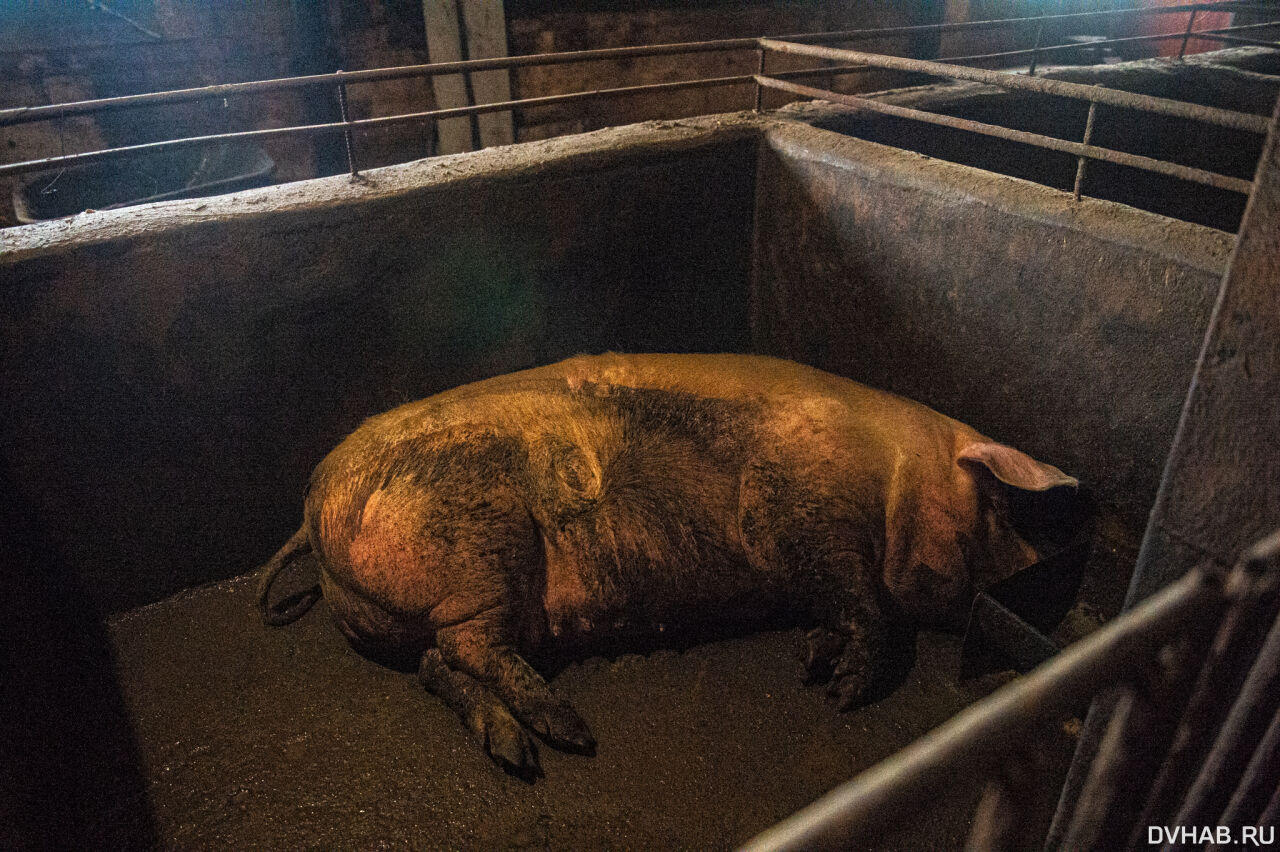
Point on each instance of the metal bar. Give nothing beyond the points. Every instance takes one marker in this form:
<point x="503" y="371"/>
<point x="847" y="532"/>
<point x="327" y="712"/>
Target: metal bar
<point x="1229" y="39"/>
<point x="998" y="23"/>
<point x="1107" y="773"/>
<point x="99" y="6"/>
<point x="1261" y="776"/>
<point x="381" y="121"/>
<point x="1000" y="821"/>
<point x="1035" y="50"/>
<point x="1061" y="88"/>
<point x="1243" y="728"/>
<point x="1077" y="149"/>
<point x="21" y="114"/>
<point x="1088" y="137"/>
<point x="18" y="115"/>
<point x="763" y="54"/>
<point x="1271" y="813"/>
<point x="997" y="819"/>
<point x="346" y="130"/>
<point x="972" y="742"/>
<point x="1238" y="637"/>
<point x="1224" y="445"/>
<point x="1066" y="48"/>
<point x="1191" y="22"/>
<point x="1141" y="727"/>
<point x="43" y="164"/>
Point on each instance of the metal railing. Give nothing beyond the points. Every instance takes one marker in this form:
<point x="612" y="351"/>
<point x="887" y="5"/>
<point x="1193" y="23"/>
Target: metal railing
<point x="804" y="44"/>
<point x="1061" y="88"/>
<point x="1197" y="671"/>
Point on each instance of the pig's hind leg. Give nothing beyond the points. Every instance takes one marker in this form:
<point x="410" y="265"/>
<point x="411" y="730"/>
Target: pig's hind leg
<point x="483" y="714"/>
<point x="476" y="648"/>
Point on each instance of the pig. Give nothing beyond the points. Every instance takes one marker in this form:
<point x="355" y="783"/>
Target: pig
<point x="623" y="495"/>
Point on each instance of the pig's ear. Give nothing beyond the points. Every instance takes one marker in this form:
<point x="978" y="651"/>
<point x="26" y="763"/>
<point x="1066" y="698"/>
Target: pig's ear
<point x="1015" y="468"/>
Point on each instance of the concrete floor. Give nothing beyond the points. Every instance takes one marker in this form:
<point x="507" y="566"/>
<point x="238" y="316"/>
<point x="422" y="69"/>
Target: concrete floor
<point x="274" y="738"/>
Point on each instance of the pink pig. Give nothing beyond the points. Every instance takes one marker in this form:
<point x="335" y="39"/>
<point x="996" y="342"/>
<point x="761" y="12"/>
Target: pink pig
<point x="612" y="497"/>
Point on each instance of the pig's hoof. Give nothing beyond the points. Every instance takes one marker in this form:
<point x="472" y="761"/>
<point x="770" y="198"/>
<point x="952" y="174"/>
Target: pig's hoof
<point x="822" y="650"/>
<point x="850" y="679"/>
<point x="849" y="692"/>
<point x="561" y="726"/>
<point x="512" y="748"/>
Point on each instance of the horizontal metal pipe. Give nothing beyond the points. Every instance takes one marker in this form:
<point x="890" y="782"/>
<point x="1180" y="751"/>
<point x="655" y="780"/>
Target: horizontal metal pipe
<point x="1042" y="85"/>
<point x="94" y="156"/>
<point x="381" y="121"/>
<point x="1107" y="42"/>
<point x="974" y="742"/>
<point x="1230" y="39"/>
<point x="17" y="115"/>
<point x="124" y="152"/>
<point x="1078" y="149"/>
<point x="1001" y="23"/>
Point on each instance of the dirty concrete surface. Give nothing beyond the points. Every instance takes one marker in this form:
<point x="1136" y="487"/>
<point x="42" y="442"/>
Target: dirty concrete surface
<point x="281" y="738"/>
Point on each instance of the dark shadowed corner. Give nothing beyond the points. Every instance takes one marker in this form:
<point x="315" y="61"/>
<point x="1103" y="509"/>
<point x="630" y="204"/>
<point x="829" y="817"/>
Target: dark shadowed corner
<point x="70" y="773"/>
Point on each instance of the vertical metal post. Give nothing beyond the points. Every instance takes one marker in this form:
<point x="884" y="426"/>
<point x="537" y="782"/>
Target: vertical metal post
<point x="1260" y="778"/>
<point x="1218" y="491"/>
<point x="1238" y="735"/>
<point x="346" y="131"/>
<point x="1035" y="49"/>
<point x="1000" y="823"/>
<point x="1187" y="35"/>
<point x="1088" y="137"/>
<point x="760" y="71"/>
<point x="996" y="820"/>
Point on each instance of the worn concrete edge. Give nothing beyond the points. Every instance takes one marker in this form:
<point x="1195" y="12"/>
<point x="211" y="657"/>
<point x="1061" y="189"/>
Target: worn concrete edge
<point x="1197" y="246"/>
<point x="233" y="584"/>
<point x="567" y="155"/>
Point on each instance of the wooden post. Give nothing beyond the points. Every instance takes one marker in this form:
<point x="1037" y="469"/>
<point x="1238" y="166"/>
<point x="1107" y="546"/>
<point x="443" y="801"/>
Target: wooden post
<point x="485" y="22"/>
<point x="469" y="29"/>
<point x="444" y="44"/>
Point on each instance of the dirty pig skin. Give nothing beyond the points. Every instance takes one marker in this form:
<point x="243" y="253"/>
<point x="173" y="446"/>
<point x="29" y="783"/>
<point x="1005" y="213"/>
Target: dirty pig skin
<point x="560" y="506"/>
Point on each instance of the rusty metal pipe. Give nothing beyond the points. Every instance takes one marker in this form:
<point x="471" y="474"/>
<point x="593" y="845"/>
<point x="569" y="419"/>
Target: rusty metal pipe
<point x="1260" y="777"/>
<point x="1041" y="85"/>
<point x="17" y="115"/>
<point x="452" y="112"/>
<point x="382" y="121"/>
<point x="1244" y="728"/>
<point x="973" y="743"/>
<point x="1238" y="636"/>
<point x="1051" y="143"/>
<point x="1086" y="139"/>
<point x="1214" y="34"/>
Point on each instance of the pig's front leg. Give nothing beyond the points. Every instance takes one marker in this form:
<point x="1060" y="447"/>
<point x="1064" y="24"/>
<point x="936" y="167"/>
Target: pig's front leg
<point x="483" y="714"/>
<point x="849" y="649"/>
<point x="476" y="648"/>
<point x="789" y="530"/>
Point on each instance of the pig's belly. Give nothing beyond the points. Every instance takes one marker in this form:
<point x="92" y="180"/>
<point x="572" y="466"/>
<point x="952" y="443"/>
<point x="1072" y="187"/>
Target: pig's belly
<point x="611" y="583"/>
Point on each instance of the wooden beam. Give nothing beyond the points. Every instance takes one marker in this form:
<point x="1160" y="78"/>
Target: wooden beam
<point x="485" y="22"/>
<point x="444" y="44"/>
